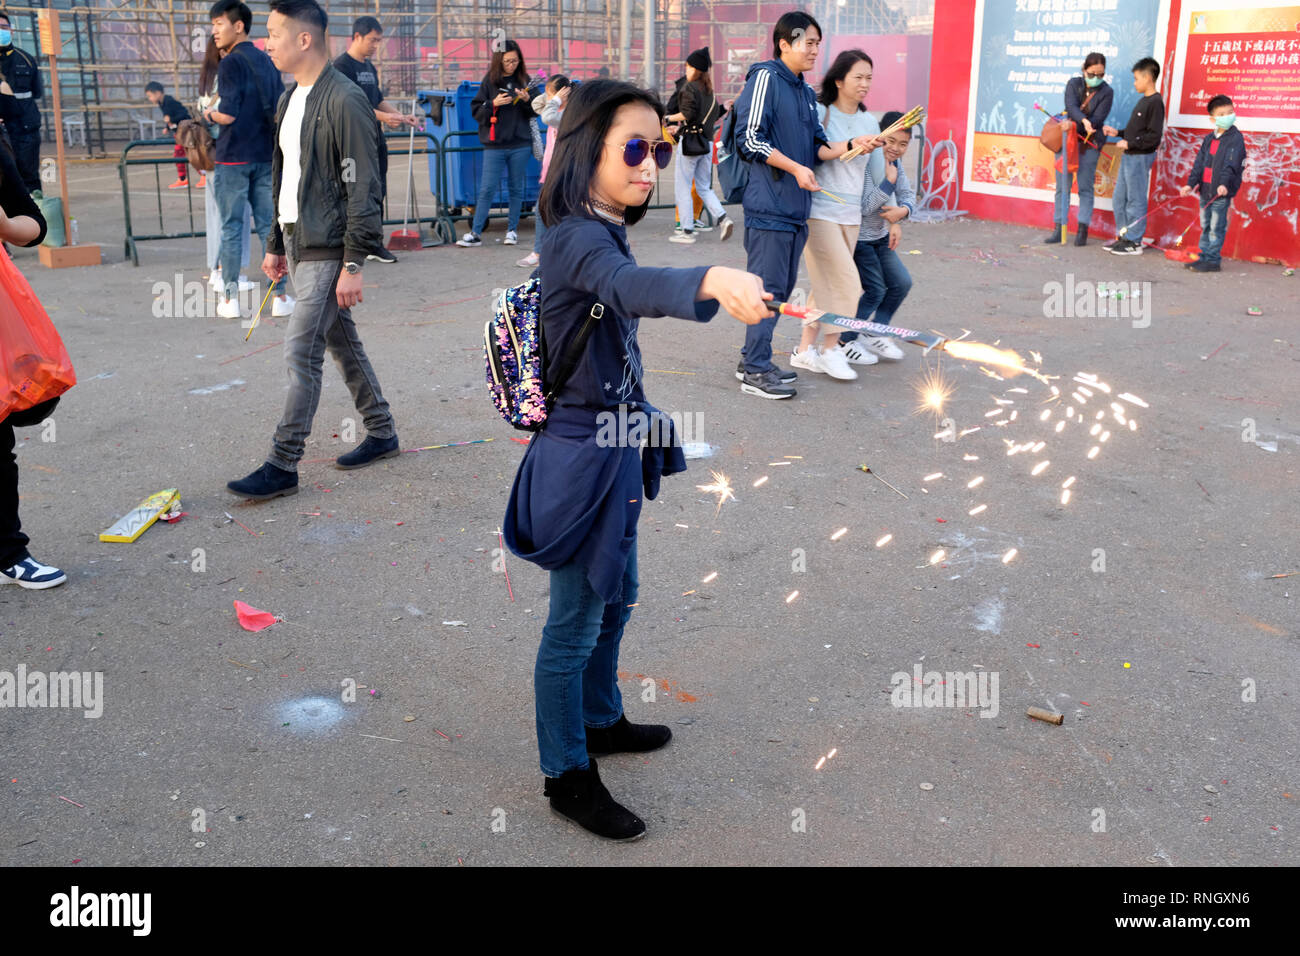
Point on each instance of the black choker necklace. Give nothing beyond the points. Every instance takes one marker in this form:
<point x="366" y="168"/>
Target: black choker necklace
<point x="613" y="213"/>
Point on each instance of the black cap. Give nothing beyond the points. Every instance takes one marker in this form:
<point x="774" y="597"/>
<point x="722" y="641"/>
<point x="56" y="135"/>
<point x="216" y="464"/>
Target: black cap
<point x="700" y="60"/>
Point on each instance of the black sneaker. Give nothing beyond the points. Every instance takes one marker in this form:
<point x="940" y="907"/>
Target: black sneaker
<point x="787" y="375"/>
<point x="1131" y="248"/>
<point x="626" y="737"/>
<point x="267" y="482"/>
<point x="1118" y="246"/>
<point x="1113" y="244"/>
<point x="1200" y="265"/>
<point x="382" y="255"/>
<point x="766" y="385"/>
<point x="368" y="452"/>
<point x="579" y="796"/>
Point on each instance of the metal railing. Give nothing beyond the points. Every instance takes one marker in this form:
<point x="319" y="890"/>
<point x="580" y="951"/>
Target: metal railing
<point x="441" y="223"/>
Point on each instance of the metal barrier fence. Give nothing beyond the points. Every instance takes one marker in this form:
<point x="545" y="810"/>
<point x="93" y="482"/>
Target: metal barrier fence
<point x="440" y="223"/>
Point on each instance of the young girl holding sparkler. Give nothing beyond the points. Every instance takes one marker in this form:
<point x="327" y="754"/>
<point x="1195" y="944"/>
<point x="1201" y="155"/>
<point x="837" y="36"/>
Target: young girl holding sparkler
<point x="577" y="495"/>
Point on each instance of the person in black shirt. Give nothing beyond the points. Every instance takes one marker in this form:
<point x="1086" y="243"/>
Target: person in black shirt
<point x="22" y="224"/>
<point x="355" y="64"/>
<point x="173" y="113"/>
<point x="1138" y="144"/>
<point x="20" y="97"/>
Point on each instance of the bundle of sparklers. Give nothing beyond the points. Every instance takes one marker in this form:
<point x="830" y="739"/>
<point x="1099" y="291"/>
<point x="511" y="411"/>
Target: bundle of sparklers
<point x="907" y="121"/>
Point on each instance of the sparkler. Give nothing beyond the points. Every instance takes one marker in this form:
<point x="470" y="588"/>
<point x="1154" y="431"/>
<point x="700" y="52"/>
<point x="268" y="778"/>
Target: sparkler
<point x="933" y="392"/>
<point x="881" y="542"/>
<point x="878" y="478"/>
<point x="258" y="317"/>
<point x="908" y="120"/>
<point x="721" y="487"/>
<point x="1179" y="240"/>
<point x="1172" y="198"/>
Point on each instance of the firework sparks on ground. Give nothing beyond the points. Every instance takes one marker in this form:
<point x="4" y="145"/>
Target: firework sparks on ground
<point x="721" y="487"/>
<point x="937" y="556"/>
<point x="933" y="392"/>
<point x="881" y="542"/>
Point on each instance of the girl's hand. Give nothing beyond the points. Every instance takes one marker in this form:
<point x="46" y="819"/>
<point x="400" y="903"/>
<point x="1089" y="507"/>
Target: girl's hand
<point x="866" y="143"/>
<point x="739" y="292"/>
<point x="895" y="235"/>
<point x="892" y="214"/>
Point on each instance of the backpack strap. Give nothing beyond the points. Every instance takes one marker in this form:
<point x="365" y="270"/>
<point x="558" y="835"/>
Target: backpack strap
<point x="573" y="354"/>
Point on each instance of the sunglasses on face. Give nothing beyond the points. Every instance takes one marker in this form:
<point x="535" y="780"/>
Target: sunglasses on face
<point x="635" y="152"/>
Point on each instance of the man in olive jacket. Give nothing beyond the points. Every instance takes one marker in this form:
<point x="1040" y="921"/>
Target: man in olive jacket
<point x="325" y="182"/>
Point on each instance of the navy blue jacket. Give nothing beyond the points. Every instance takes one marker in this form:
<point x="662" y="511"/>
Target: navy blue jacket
<point x="777" y="110"/>
<point x="572" y="499"/>
<point x="1225" y="167"/>
<point x="1103" y="97"/>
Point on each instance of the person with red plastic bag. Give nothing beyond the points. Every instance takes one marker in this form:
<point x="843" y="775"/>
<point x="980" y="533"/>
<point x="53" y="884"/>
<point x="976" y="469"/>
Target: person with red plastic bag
<point x="22" y="224"/>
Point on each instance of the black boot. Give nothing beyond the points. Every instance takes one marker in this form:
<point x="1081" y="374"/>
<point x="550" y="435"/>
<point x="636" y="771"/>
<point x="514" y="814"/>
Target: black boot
<point x="1053" y="237"/>
<point x="267" y="482"/>
<point x="581" y="797"/>
<point x="1081" y="237"/>
<point x="625" y="737"/>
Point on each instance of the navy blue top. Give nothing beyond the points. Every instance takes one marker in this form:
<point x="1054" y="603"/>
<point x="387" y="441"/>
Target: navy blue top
<point x="573" y="499"/>
<point x="249" y="139"/>
<point x="777" y="110"/>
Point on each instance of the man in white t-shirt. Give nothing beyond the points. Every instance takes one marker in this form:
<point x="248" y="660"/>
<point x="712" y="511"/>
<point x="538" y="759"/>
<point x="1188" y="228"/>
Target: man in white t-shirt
<point x="326" y="188"/>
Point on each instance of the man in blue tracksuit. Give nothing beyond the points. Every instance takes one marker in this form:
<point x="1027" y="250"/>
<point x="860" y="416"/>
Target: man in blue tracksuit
<point x="778" y="131"/>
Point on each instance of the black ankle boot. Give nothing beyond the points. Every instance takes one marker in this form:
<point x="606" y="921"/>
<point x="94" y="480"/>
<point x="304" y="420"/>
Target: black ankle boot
<point x="1081" y="237"/>
<point x="625" y="737"/>
<point x="1053" y="237"/>
<point x="580" y="796"/>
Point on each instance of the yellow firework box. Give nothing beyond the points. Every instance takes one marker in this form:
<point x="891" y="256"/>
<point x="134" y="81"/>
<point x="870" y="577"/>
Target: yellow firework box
<point x="137" y="521"/>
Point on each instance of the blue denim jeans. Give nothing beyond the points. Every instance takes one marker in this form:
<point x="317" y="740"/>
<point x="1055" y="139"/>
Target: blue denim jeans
<point x="214" y="230"/>
<point x="885" y="282"/>
<point x="541" y="231"/>
<point x="515" y="163"/>
<point x="1130" y="199"/>
<point x="235" y="186"/>
<point x="1214" y="227"/>
<point x="576" y="677"/>
<point x="1087" y="174"/>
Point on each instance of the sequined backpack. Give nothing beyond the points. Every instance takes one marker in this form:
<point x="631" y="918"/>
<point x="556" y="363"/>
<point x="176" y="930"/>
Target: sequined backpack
<point x="514" y="351"/>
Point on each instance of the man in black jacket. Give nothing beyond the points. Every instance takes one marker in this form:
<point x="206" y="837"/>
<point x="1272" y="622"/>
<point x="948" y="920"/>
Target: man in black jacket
<point x="20" y="105"/>
<point x="325" y="185"/>
<point x="1138" y="144"/>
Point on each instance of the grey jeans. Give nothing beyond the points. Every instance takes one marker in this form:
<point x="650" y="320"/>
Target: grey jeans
<point x="318" y="323"/>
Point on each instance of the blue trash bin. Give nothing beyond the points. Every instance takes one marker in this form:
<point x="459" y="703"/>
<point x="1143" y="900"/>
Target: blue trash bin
<point x="449" y="112"/>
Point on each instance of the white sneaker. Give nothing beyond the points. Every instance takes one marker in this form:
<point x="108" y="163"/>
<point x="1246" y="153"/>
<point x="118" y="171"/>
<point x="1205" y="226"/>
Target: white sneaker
<point x="469" y="240"/>
<point x="228" y="309"/>
<point x="529" y="261"/>
<point x="836" y="365"/>
<point x="683" y="236"/>
<point x="511" y="239"/>
<point x="882" y="347"/>
<point x="31" y="574"/>
<point x="857" y="353"/>
<point x="807" y="358"/>
<point x="282" y="306"/>
<point x="214" y="280"/>
<point x="727" y="226"/>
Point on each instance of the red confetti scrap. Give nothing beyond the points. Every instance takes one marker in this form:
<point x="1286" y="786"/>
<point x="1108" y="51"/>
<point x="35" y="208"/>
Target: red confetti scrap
<point x="1206" y="820"/>
<point x="1033" y="645"/>
<point x="941" y="520"/>
<point x="76" y="861"/>
<point x="400" y="523"/>
<point x="1085" y="703"/>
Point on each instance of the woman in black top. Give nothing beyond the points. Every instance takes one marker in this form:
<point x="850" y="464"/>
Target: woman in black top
<point x="1087" y="102"/>
<point x="698" y="112"/>
<point x="503" y="111"/>
<point x="22" y="224"/>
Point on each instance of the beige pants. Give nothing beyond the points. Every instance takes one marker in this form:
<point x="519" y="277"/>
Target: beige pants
<point x="828" y="255"/>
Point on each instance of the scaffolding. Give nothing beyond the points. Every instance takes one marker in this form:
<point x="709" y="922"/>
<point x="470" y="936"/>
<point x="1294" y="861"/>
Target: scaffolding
<point x="112" y="48"/>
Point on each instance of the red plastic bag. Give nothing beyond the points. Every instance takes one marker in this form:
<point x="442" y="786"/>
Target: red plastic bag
<point x="34" y="365"/>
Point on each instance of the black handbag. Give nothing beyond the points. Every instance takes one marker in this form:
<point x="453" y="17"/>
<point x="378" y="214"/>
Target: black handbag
<point x="698" y="140"/>
<point x="34" y="415"/>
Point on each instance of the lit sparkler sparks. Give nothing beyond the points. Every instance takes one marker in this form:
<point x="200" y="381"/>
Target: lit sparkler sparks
<point x="793" y="595"/>
<point x="1005" y="359"/>
<point x="721" y="487"/>
<point x="839" y="534"/>
<point x="1134" y="400"/>
<point x="1006" y="558"/>
<point x="933" y="392"/>
<point x="932" y="477"/>
<point x="760" y="482"/>
<point x="712" y="576"/>
<point x="881" y="542"/>
<point x="970" y="457"/>
<point x="975" y="482"/>
<point x="977" y="510"/>
<point x="1039" y="468"/>
<point x="937" y="556"/>
<point x="1092" y="452"/>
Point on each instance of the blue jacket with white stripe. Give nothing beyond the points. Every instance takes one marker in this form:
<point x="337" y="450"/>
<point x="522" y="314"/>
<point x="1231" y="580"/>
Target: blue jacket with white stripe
<point x="777" y="110"/>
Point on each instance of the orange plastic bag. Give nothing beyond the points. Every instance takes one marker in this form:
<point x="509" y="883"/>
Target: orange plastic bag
<point x="34" y="364"/>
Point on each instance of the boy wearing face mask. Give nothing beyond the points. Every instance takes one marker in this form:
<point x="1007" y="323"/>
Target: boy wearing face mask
<point x="1216" y="175"/>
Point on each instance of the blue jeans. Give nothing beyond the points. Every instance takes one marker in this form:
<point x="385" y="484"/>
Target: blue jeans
<point x="1130" y="200"/>
<point x="1214" y="227"/>
<point x="236" y="186"/>
<point x="515" y="163"/>
<point x="576" y="677"/>
<point x="885" y="282"/>
<point x="1087" y="176"/>
<point x="214" y="230"/>
<point x="541" y="231"/>
<point x="697" y="170"/>
<point x="774" y="257"/>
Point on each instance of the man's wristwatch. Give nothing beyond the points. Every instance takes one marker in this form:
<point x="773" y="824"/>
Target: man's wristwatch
<point x="353" y="268"/>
